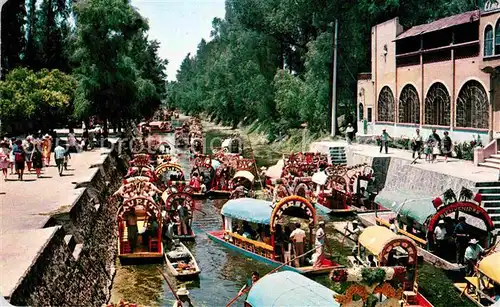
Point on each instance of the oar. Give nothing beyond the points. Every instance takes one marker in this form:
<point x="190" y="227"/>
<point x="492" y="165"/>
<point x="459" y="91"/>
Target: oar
<point x="270" y="272"/>
<point x="169" y="285"/>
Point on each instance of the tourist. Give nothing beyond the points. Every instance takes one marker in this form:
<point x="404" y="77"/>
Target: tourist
<point x="12" y="157"/>
<point x="67" y="156"/>
<point x="19" y="159"/>
<point x="417" y="143"/>
<point x="72" y="141"/>
<point x="371" y="261"/>
<point x="37" y="159"/>
<point x="4" y="158"/>
<point x="461" y="234"/>
<point x="471" y="255"/>
<point x="59" y="152"/>
<point x="46" y="149"/>
<point x="440" y="238"/>
<point x="435" y="139"/>
<point x="29" y="148"/>
<point x="298" y="235"/>
<point x="255" y="277"/>
<point x="447" y="146"/>
<point x="393" y="227"/>
<point x="384" y="140"/>
<point x="132" y="229"/>
<point x="349" y="132"/>
<point x="183" y="219"/>
<point x="320" y="244"/>
<point x="151" y="230"/>
<point x="287" y="245"/>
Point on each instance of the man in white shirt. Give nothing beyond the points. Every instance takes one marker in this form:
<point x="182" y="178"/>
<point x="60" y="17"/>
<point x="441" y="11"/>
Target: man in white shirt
<point x="417" y="143"/>
<point x="439" y="237"/>
<point x="59" y="152"/>
<point x="472" y="254"/>
<point x="298" y="236"/>
<point x="393" y="227"/>
<point x="320" y="244"/>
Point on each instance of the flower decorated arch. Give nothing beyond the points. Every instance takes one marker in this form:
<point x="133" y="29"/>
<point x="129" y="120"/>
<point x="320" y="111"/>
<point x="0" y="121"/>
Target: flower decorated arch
<point x="168" y="167"/>
<point x="293" y="206"/>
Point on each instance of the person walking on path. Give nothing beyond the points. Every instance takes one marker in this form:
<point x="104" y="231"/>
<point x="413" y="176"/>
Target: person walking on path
<point x="436" y="143"/>
<point x="29" y="147"/>
<point x="417" y="143"/>
<point x="72" y="141"/>
<point x="12" y="157"/>
<point x="59" y="153"/>
<point x="384" y="140"/>
<point x="67" y="157"/>
<point x="37" y="159"/>
<point x="349" y="132"/>
<point x="20" y="159"/>
<point x="447" y="146"/>
<point x="298" y="235"/>
<point x="46" y="149"/>
<point x="4" y="158"/>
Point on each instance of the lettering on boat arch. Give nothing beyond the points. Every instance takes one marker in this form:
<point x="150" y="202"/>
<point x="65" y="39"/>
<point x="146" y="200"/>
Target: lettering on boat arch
<point x="146" y="202"/>
<point x="466" y="207"/>
<point x="408" y="245"/>
<point x="292" y="202"/>
<point x="179" y="198"/>
<point x="164" y="167"/>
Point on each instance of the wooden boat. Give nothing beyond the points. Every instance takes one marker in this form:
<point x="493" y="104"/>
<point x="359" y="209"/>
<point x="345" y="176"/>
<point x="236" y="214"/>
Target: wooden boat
<point x="263" y="213"/>
<point x="144" y="208"/>
<point x="389" y="250"/>
<point x="181" y="262"/>
<point x="486" y="279"/>
<point x="179" y="193"/>
<point x="293" y="290"/>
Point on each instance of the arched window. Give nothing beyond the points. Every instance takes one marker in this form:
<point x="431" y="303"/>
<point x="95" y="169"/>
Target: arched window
<point x="472" y="106"/>
<point x="497" y="37"/>
<point x="361" y="112"/>
<point x="437" y="105"/>
<point x="385" y="107"/>
<point x="488" y="41"/>
<point x="409" y="105"/>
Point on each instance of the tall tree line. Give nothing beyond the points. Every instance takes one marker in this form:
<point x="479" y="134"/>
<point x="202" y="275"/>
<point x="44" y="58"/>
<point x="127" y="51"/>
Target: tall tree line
<point x="271" y="60"/>
<point x="103" y="47"/>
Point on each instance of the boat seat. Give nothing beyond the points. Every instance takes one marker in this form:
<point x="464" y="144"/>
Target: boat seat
<point x="410" y="297"/>
<point x="177" y="254"/>
<point x="153" y="245"/>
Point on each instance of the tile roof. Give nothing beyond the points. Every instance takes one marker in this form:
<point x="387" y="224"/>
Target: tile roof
<point x="440" y="24"/>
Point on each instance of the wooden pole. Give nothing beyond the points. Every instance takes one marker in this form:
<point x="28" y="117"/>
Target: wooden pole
<point x="169" y="285"/>
<point x="334" y="85"/>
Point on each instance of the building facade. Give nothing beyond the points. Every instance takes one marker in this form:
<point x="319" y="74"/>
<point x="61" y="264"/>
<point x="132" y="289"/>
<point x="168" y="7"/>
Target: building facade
<point x="442" y="75"/>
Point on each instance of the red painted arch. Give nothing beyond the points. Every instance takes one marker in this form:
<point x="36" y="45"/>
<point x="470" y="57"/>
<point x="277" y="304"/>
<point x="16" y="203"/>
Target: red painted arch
<point x="295" y="201"/>
<point x="464" y="206"/>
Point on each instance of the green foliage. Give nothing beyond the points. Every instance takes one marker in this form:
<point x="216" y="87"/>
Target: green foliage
<point x="12" y="34"/>
<point x="44" y="97"/>
<point x="449" y="196"/>
<point x="373" y="276"/>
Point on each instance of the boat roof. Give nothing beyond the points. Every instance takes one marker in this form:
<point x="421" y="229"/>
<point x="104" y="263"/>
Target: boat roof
<point x="274" y="172"/>
<point x="245" y="174"/>
<point x="294" y="290"/>
<point x="248" y="209"/>
<point x="319" y="178"/>
<point x="489" y="266"/>
<point x="375" y="238"/>
<point x="226" y="143"/>
<point x="418" y="206"/>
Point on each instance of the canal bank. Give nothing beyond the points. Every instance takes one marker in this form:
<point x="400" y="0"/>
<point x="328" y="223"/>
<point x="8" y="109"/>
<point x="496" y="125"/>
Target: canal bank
<point x="68" y="259"/>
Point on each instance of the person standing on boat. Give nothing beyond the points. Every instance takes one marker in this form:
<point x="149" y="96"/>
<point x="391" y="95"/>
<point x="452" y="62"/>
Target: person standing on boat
<point x="461" y="234"/>
<point x="440" y="238"/>
<point x="354" y="233"/>
<point x="394" y="227"/>
<point x="132" y="229"/>
<point x="255" y="277"/>
<point x="472" y="254"/>
<point x="298" y="235"/>
<point x="183" y="219"/>
<point x="320" y="244"/>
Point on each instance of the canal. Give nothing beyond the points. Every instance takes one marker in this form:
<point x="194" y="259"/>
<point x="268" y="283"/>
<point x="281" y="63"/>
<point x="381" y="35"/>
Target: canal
<point x="224" y="272"/>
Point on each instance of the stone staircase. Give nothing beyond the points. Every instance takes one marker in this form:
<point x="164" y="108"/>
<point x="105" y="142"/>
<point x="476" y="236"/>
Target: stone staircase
<point x="337" y="155"/>
<point x="490" y="192"/>
<point x="493" y="161"/>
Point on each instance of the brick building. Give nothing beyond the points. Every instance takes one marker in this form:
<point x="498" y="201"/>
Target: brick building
<point x="443" y="75"/>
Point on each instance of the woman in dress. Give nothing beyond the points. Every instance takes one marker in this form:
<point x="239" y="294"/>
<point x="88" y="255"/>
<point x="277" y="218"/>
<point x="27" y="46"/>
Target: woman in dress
<point x="4" y="158"/>
<point x="46" y="149"/>
<point x="29" y="147"/>
<point x="447" y="146"/>
<point x="11" y="155"/>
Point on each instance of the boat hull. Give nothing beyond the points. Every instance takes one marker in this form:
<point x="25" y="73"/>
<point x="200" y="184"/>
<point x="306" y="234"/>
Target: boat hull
<point x="183" y="275"/>
<point x="216" y="237"/>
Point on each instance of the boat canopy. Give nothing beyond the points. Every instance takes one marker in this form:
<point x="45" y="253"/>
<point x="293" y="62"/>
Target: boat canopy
<point x="489" y="267"/>
<point x="248" y="209"/>
<point x="418" y="206"/>
<point x="274" y="172"/>
<point x="244" y="174"/>
<point x="319" y="178"/>
<point x="136" y="178"/>
<point x="294" y="290"/>
<point x="375" y="238"/>
<point x="156" y="123"/>
<point x="226" y="143"/>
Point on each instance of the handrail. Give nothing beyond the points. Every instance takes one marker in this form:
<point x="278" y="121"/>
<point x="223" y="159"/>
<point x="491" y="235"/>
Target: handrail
<point x="403" y="232"/>
<point x="491" y="148"/>
<point x="253" y="242"/>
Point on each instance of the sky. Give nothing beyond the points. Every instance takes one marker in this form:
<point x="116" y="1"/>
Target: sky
<point x="179" y="25"/>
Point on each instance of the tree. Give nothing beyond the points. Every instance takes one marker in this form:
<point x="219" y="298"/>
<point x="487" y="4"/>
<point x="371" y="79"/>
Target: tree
<point x="13" y="40"/>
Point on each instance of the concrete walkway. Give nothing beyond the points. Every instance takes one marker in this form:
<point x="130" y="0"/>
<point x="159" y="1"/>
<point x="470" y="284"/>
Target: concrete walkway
<point x="454" y="167"/>
<point x="27" y="204"/>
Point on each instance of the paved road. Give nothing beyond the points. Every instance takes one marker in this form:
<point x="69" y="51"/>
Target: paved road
<point x="27" y="204"/>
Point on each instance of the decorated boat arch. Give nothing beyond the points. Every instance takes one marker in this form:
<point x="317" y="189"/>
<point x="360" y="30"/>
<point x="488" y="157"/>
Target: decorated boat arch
<point x="178" y="193"/>
<point x="169" y="171"/>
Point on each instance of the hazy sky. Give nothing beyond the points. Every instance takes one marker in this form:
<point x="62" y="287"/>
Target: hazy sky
<point x="179" y="25"/>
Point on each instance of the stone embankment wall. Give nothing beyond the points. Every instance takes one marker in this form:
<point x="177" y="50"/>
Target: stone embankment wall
<point x="396" y="174"/>
<point x="76" y="267"/>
